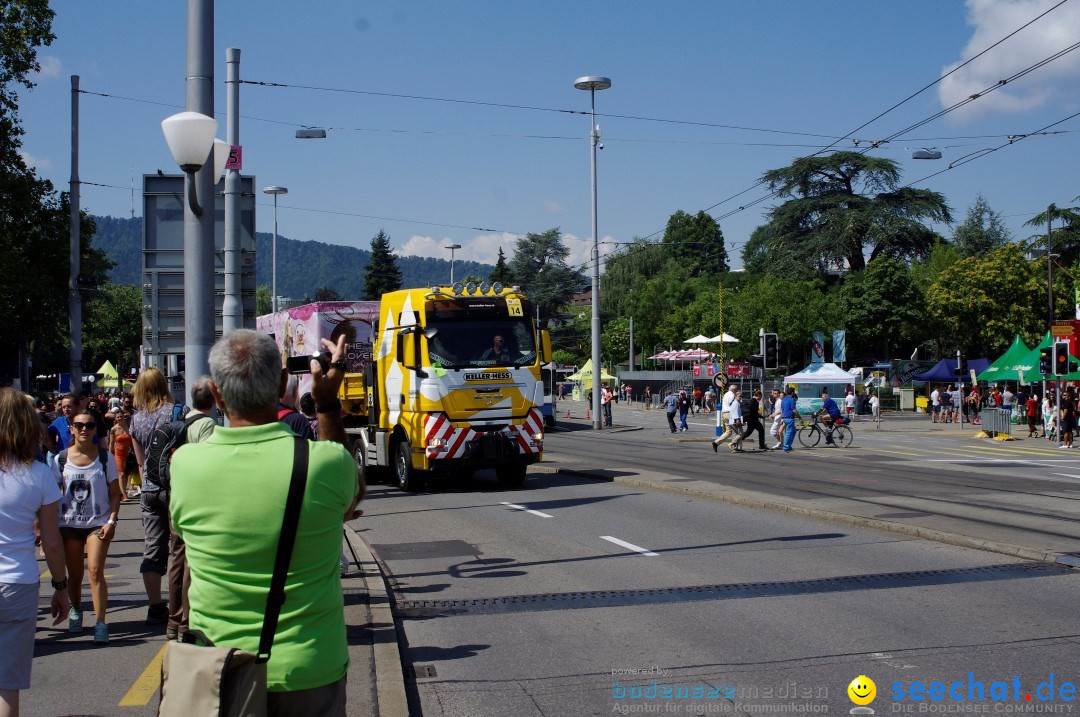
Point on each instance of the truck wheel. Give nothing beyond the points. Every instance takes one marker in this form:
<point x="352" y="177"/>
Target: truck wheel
<point x="371" y="474"/>
<point x="407" y="479"/>
<point x="510" y="475"/>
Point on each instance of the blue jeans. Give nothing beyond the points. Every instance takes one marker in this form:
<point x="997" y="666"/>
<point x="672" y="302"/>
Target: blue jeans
<point x="682" y="421"/>
<point x="789" y="433"/>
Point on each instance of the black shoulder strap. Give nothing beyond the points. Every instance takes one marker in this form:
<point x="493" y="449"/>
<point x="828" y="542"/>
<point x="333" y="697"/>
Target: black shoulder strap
<point x="289" y="525"/>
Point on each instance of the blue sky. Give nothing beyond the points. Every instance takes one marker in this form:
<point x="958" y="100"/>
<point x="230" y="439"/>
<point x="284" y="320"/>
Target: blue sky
<point x="814" y="68"/>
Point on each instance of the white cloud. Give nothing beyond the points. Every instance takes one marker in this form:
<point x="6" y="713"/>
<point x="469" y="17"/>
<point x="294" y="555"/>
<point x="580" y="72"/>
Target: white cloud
<point x="994" y="19"/>
<point x="50" y="66"/>
<point x="484" y="248"/>
<point x="38" y="163"/>
<point x="554" y="207"/>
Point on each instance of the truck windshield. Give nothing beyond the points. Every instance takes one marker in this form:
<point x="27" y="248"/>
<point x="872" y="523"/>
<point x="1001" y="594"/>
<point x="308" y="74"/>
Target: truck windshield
<point x="470" y="334"/>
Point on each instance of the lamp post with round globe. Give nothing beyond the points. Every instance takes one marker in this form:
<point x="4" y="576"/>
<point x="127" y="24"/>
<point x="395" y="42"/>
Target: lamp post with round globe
<point x="592" y="84"/>
<point x="273" y="246"/>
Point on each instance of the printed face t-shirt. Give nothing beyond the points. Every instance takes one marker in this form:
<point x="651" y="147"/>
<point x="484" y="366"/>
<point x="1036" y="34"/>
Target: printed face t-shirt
<point x="85" y="502"/>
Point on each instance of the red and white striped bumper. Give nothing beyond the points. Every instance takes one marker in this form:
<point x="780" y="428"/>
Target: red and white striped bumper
<point x="443" y="441"/>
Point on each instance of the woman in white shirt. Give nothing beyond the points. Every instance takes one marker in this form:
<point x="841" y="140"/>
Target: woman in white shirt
<point x="89" y="509"/>
<point x="27" y="493"/>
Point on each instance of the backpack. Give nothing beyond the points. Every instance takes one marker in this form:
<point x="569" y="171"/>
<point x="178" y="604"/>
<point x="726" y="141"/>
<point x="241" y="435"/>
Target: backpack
<point x="164" y="441"/>
<point x="102" y="455"/>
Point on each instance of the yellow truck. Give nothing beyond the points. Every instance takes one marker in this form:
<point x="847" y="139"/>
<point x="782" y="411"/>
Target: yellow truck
<point x="453" y="386"/>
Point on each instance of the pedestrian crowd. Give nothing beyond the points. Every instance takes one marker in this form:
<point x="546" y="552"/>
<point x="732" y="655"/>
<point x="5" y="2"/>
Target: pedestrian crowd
<point x="69" y="462"/>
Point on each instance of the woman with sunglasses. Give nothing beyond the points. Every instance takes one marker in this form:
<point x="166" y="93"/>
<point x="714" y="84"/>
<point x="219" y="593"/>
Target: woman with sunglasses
<point x="89" y="482"/>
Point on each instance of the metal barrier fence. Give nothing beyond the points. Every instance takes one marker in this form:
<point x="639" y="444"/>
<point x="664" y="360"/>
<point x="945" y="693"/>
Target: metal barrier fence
<point x="995" y="420"/>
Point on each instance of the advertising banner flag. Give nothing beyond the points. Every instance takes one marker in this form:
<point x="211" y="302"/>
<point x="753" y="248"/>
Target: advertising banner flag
<point x="817" y="348"/>
<point x="839" y="346"/>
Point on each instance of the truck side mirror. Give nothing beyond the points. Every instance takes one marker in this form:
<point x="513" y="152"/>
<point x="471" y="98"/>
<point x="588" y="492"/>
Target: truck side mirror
<point x="545" y="346"/>
<point x="407" y="349"/>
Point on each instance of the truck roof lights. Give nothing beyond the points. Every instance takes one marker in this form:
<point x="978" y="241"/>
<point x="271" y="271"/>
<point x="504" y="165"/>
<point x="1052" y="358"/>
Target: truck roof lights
<point x="470" y="288"/>
<point x="497" y="287"/>
<point x="457" y="287"/>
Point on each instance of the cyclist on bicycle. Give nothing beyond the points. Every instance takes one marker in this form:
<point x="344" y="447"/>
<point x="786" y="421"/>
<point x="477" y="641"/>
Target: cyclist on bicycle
<point x="830" y="415"/>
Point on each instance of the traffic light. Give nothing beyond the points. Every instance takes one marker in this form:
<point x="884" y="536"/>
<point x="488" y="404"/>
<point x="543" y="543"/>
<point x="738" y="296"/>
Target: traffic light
<point x="772" y="354"/>
<point x="1061" y="358"/>
<point x="1044" y="361"/>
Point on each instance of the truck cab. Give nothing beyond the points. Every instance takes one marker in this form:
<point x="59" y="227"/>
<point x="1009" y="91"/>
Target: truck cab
<point x="454" y="385"/>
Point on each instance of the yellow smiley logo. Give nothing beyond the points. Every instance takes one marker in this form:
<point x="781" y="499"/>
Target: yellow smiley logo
<point x="862" y="690"/>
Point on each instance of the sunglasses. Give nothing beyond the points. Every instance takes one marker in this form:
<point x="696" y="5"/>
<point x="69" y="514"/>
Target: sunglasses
<point x="83" y="426"/>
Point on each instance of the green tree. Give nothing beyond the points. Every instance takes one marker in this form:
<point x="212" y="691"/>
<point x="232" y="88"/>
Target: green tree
<point x="791" y="308"/>
<point x="982" y="230"/>
<point x="980" y="302"/>
<point x="539" y="267"/>
<point x="501" y="272"/>
<point x="882" y="308"/>
<point x="841" y="206"/>
<point x="382" y="273"/>
<point x="264" y="304"/>
<point x="112" y="325"/>
<point x="325" y="293"/>
<point x="615" y="341"/>
<point x="696" y="242"/>
<point x="1064" y="232"/>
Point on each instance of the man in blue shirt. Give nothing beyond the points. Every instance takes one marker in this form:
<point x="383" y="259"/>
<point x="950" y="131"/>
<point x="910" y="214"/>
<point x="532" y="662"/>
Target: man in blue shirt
<point x="831" y="413"/>
<point x="789" y="413"/>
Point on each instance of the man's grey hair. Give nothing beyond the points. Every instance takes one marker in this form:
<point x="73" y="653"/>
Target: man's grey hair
<point x="292" y="388"/>
<point x="246" y="366"/>
<point x="201" y="397"/>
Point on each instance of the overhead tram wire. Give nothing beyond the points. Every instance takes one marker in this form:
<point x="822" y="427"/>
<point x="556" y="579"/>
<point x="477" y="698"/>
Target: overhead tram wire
<point x="895" y="106"/>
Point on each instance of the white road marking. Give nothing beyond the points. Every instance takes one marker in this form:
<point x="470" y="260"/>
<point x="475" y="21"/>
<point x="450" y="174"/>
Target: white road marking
<point x="629" y="546"/>
<point x="521" y="507"/>
<point x="888" y="660"/>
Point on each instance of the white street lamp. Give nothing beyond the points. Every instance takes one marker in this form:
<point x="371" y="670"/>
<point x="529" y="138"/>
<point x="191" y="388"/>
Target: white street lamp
<point x="452" y="248"/>
<point x="273" y="246"/>
<point x="190" y="136"/>
<point x="592" y="84"/>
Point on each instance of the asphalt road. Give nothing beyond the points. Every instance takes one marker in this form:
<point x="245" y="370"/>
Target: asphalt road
<point x="604" y="588"/>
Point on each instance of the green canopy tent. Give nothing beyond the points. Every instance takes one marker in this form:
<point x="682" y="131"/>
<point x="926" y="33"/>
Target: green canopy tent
<point x="585" y="375"/>
<point x="110" y="376"/>
<point x="1029" y="365"/>
<point x="1003" y="369"/>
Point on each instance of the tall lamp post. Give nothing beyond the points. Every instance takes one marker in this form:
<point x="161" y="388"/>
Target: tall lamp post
<point x="273" y="246"/>
<point x="452" y="248"/>
<point x="592" y="84"/>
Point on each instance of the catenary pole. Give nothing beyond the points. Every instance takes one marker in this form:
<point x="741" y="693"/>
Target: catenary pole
<point x="232" y="308"/>
<point x="74" y="297"/>
<point x="199" y="231"/>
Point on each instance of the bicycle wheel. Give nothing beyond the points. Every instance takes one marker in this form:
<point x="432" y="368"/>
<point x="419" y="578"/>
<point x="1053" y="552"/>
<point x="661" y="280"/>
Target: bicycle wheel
<point x="809" y="436"/>
<point x="843" y="436"/>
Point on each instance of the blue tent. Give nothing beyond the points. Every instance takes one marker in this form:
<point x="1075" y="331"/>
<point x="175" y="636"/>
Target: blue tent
<point x="945" y="370"/>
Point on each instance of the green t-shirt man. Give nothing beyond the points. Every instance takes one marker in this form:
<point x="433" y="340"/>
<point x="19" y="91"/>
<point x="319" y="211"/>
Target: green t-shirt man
<point x="227" y="503"/>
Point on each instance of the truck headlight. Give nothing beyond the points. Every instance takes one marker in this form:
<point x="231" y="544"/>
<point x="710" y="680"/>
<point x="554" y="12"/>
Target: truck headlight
<point x="539" y="437"/>
<point x="438" y="444"/>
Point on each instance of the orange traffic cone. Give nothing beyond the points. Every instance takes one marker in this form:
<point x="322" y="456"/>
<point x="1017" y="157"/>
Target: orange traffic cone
<point x="586" y="414"/>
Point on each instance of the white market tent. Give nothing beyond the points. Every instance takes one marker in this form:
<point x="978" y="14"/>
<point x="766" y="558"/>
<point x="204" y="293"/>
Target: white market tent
<point x="818" y="377"/>
<point x="726" y="338"/>
<point x="828" y="373"/>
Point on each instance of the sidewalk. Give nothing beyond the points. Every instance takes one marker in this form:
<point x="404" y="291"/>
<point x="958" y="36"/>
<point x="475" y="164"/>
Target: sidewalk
<point x="375" y="683"/>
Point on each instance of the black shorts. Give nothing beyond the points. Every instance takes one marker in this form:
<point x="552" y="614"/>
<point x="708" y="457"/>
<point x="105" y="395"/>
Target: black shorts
<point x="79" y="534"/>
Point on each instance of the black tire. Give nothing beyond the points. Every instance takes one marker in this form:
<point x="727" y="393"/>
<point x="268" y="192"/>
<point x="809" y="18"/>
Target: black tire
<point x="406" y="475"/>
<point x="371" y="474"/>
<point x="809" y="436"/>
<point x="513" y="475"/>
<point x="843" y="436"/>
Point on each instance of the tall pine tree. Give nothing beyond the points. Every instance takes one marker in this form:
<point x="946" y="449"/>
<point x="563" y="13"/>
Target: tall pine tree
<point x="501" y="272"/>
<point x="382" y="273"/>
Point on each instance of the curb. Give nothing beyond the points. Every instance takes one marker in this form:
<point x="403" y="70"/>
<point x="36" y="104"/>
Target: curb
<point x="389" y="688"/>
<point x="939" y="536"/>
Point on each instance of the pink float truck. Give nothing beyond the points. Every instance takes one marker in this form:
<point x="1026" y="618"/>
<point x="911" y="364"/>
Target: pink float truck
<point x="297" y="332"/>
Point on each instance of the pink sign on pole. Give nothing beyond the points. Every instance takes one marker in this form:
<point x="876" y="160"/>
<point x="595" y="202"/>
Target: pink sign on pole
<point x="236" y="157"/>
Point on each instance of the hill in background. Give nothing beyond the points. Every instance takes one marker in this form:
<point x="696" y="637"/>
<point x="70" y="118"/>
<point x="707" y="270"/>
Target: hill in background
<point x="302" y="266"/>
